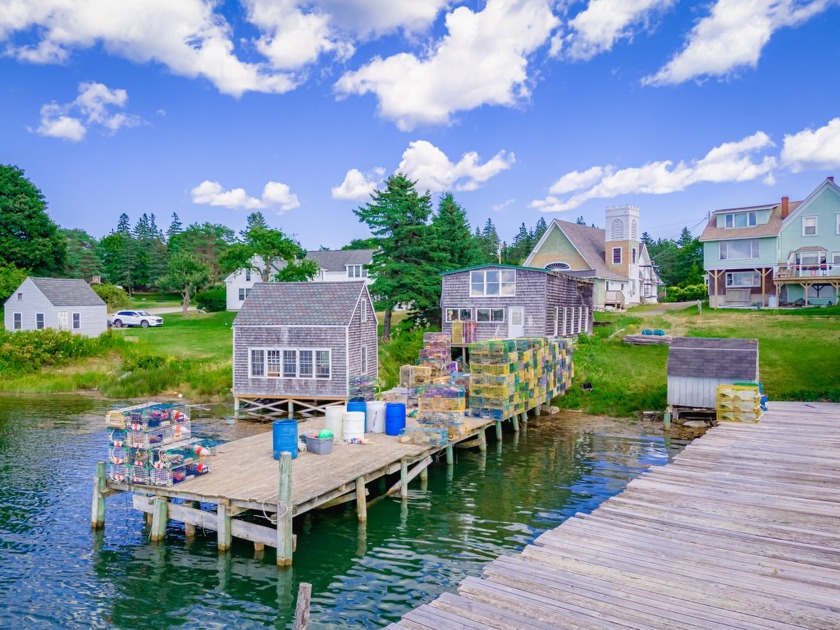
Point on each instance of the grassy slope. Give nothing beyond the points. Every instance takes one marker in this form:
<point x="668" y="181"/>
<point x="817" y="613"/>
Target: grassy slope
<point x="198" y="336"/>
<point x="155" y="300"/>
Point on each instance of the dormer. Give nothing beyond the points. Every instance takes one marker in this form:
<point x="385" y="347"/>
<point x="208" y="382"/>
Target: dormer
<point x="739" y="218"/>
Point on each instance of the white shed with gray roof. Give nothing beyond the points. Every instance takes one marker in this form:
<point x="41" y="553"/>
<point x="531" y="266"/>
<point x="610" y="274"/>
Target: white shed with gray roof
<point x="303" y="341"/>
<point x="60" y="303"/>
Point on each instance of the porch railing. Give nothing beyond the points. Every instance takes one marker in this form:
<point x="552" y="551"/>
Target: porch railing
<point x="783" y="271"/>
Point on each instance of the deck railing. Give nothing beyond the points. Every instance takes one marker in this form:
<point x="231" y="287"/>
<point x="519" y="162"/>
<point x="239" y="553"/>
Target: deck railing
<point x="783" y="271"/>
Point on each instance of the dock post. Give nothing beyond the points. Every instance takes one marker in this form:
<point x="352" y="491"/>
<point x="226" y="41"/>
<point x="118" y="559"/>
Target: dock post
<point x="236" y="408"/>
<point x="223" y="516"/>
<point x="160" y="518"/>
<point x="189" y="528"/>
<point x="450" y="456"/>
<point x="499" y="430"/>
<point x="515" y="420"/>
<point x="302" y="608"/>
<point x="482" y="440"/>
<point x="538" y="411"/>
<point x="284" y="512"/>
<point x="525" y="420"/>
<point x="403" y="479"/>
<point x="424" y="474"/>
<point x="666" y="421"/>
<point x="361" y="501"/>
<point x="97" y="511"/>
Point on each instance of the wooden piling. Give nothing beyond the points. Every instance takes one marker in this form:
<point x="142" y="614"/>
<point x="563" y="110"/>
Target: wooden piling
<point x="450" y="456"/>
<point x="160" y="518"/>
<point x="499" y="430"/>
<point x="482" y="441"/>
<point x="361" y="500"/>
<point x="404" y="479"/>
<point x="284" y="512"/>
<point x="223" y="541"/>
<point x="525" y="420"/>
<point x="424" y="475"/>
<point x="302" y="608"/>
<point x="97" y="511"/>
<point x="515" y="421"/>
<point x="189" y="528"/>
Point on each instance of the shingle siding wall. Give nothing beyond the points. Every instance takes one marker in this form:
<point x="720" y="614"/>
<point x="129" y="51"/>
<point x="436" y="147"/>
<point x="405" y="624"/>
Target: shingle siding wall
<point x="363" y="334"/>
<point x="564" y="291"/>
<point x="331" y="338"/>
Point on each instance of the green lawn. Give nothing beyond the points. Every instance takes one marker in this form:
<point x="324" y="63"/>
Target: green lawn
<point x="155" y="299"/>
<point x="196" y="336"/>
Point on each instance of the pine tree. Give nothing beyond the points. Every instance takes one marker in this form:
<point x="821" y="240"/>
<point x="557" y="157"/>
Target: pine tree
<point x="647" y="240"/>
<point x="490" y="245"/>
<point x="124" y="225"/>
<point x="451" y="242"/>
<point x="539" y="230"/>
<point x="174" y="227"/>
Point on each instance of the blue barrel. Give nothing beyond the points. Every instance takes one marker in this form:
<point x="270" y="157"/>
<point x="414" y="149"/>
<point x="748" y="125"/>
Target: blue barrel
<point x="285" y="437"/>
<point x="394" y="418"/>
<point x="358" y="405"/>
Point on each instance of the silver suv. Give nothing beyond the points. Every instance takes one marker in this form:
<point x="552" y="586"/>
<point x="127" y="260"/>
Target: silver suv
<point x="136" y="318"/>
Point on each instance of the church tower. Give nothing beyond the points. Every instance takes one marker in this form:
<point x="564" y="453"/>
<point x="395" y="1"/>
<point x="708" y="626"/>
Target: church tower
<point x="622" y="244"/>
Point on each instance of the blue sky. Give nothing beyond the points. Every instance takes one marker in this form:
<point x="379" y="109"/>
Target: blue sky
<point x="521" y="108"/>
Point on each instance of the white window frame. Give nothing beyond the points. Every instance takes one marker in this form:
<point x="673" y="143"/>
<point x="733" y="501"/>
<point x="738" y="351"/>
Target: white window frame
<point x="617" y="230"/>
<point x="43" y="321"/>
<point x="614" y="250"/>
<point x="460" y="312"/>
<point x="243" y="293"/>
<point x="729" y="220"/>
<point x="17" y="321"/>
<point x="364" y="360"/>
<point x="755" y="249"/>
<point x="837" y="223"/>
<point x="279" y="355"/>
<point x="805" y="226"/>
<point x="356" y="271"/>
<point x="731" y="284"/>
<point x="76" y="319"/>
<point x="835" y="258"/>
<point x="634" y="229"/>
<point x="252" y="363"/>
<point x="20" y="295"/>
<point x="490" y="315"/>
<point x="502" y="283"/>
<point x="364" y="309"/>
<point x="247" y="275"/>
<point x="558" y="266"/>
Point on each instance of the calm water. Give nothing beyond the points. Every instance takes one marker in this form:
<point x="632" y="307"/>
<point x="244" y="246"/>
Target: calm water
<point x="55" y="572"/>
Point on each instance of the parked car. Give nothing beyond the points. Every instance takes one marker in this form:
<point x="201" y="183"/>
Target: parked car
<point x="135" y="318"/>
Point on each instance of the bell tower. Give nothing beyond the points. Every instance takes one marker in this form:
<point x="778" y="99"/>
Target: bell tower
<point x="622" y="246"/>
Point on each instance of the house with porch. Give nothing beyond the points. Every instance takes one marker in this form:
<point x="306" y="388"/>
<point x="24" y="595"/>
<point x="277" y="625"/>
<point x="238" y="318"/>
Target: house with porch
<point x="614" y="260"/>
<point x="507" y="302"/>
<point x="777" y="254"/>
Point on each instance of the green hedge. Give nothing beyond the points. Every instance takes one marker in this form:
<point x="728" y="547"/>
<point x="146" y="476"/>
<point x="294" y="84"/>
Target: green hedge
<point x="686" y="294"/>
<point x="212" y="300"/>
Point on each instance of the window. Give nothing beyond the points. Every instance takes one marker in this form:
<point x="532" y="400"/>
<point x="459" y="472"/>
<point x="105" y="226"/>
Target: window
<point x="20" y="295"/>
<point x="743" y="279"/>
<point x="247" y="276"/>
<point x="458" y="314"/>
<point x="738" y="250"/>
<point x="39" y="321"/>
<point x="835" y="258"/>
<point x="557" y="266"/>
<point x="257" y="363"/>
<point x="809" y="226"/>
<point x="493" y="283"/>
<point x="634" y="229"/>
<point x="617" y="230"/>
<point x="634" y="256"/>
<point x="18" y="321"/>
<point x="243" y="293"/>
<point x="77" y="321"/>
<point x="364" y="309"/>
<point x="837" y="223"/>
<point x="632" y="287"/>
<point x="322" y="364"/>
<point x="490" y="315"/>
<point x="740" y="219"/>
<point x="356" y="271"/>
<point x="272" y="363"/>
<point x="306" y="364"/>
<point x="364" y="360"/>
<point x="289" y="363"/>
<point x="616" y="255"/>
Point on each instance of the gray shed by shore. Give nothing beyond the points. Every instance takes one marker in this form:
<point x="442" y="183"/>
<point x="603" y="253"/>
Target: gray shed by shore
<point x="697" y="365"/>
<point x="60" y="303"/>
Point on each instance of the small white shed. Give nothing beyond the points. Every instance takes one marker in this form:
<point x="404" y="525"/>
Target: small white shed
<point x="61" y="303"/>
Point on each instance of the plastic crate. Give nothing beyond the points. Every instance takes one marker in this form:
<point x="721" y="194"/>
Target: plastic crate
<point x="319" y="446"/>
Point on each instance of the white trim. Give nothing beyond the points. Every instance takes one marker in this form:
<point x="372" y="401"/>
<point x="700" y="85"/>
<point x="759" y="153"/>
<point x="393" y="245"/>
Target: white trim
<point x="565" y="266"/>
<point x="800" y="210"/>
<point x="837" y="223"/>
<point x="555" y="223"/>
<point x="448" y="319"/>
<point x="297" y="351"/>
<point x="613" y="261"/>
<point x="364" y="355"/>
<point x="816" y="219"/>
<point x="73" y="321"/>
<point x="19" y="321"/>
<point x="484" y="271"/>
<point x="490" y="310"/>
<point x="292" y="325"/>
<point x="756" y="279"/>
<point x="43" y="321"/>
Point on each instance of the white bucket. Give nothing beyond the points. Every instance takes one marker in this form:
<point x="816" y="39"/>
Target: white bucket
<point x="334" y="419"/>
<point x="354" y="425"/>
<point x="376" y="416"/>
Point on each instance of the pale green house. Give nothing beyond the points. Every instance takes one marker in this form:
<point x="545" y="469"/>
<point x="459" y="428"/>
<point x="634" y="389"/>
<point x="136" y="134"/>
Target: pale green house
<point x="785" y="253"/>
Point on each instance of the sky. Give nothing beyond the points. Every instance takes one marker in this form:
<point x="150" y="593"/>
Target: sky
<point x="521" y="108"/>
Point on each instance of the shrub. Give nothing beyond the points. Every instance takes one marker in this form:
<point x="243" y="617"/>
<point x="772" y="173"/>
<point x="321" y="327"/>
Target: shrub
<point x="114" y="297"/>
<point x="212" y="300"/>
<point x="10" y="279"/>
<point x="27" y="351"/>
<point x="687" y="293"/>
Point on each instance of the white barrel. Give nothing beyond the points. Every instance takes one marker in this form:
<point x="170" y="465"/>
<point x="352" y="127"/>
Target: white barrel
<point x="354" y="425"/>
<point x="375" y="416"/>
<point x="334" y="420"/>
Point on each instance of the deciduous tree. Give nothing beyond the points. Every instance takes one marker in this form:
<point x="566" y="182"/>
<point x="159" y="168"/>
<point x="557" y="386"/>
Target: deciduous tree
<point x="184" y="273"/>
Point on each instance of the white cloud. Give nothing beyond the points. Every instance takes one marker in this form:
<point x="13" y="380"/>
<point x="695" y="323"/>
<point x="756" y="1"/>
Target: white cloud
<point x="356" y="185"/>
<point x="817" y="149"/>
<point x="730" y="162"/>
<point x="483" y="60"/>
<point x="91" y="108"/>
<point x="275" y="195"/>
<point x="424" y="162"/>
<point x="377" y="17"/>
<point x="598" y="27"/>
<point x="732" y="37"/>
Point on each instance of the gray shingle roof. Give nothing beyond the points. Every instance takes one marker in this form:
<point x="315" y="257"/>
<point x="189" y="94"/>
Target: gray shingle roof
<point x="300" y="304"/>
<point x="67" y="292"/>
<point x="772" y="228"/>
<point x="337" y="260"/>
<point x="729" y="359"/>
<point x="590" y="242"/>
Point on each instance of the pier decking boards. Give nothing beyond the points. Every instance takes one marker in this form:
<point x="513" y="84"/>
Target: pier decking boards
<point x="741" y="530"/>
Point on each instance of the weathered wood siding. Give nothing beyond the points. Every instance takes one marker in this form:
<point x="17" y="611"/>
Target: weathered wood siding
<point x="363" y="334"/>
<point x="333" y="338"/>
<point x="563" y="292"/>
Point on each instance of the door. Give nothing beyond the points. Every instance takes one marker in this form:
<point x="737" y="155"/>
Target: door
<point x="63" y="320"/>
<point x="516" y="321"/>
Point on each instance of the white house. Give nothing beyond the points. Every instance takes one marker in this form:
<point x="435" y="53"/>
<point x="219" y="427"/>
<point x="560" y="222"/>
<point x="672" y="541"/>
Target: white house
<point x="60" y="303"/>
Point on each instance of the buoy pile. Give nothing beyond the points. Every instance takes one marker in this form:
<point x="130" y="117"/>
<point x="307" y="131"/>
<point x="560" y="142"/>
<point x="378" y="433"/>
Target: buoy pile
<point x="151" y="444"/>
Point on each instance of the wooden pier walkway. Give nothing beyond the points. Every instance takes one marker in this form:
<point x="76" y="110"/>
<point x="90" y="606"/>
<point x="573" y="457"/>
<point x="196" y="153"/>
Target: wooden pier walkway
<point x="741" y="530"/>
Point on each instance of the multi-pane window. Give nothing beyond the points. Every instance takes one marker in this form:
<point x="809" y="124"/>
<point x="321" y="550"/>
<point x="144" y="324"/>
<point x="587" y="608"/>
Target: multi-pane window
<point x="809" y="226"/>
<point x="493" y="283"/>
<point x="364" y="360"/>
<point x="557" y="266"/>
<point x="616" y="255"/>
<point x="490" y="314"/>
<point x="243" y="293"/>
<point x="257" y="363"/>
<point x="364" y="310"/>
<point x="322" y="364"/>
<point x="288" y="363"/>
<point x="273" y="363"/>
<point x="77" y="321"/>
<point x="18" y="321"/>
<point x="743" y="279"/>
<point x="835" y="258"/>
<point x="458" y="314"/>
<point x="247" y="276"/>
<point x="356" y="271"/>
<point x="738" y="250"/>
<point x="740" y="219"/>
<point x="306" y="365"/>
<point x="39" y="321"/>
<point x="617" y="230"/>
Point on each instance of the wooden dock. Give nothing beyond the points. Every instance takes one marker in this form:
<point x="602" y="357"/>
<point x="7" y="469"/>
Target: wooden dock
<point x="742" y="530"/>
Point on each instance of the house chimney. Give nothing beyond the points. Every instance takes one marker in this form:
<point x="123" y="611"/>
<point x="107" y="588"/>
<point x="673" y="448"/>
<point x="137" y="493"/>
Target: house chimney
<point x="785" y="207"/>
<point x="830" y="178"/>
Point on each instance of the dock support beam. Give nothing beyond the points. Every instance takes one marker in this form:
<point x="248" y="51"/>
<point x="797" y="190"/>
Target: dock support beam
<point x="525" y="420"/>
<point x="236" y="408"/>
<point x="515" y="421"/>
<point x="450" y="456"/>
<point x="404" y="479"/>
<point x="361" y="501"/>
<point x="97" y="510"/>
<point x="189" y="528"/>
<point x="482" y="440"/>
<point x="160" y="518"/>
<point x="424" y="475"/>
<point x="285" y="538"/>
<point x="223" y="515"/>
<point x="499" y="430"/>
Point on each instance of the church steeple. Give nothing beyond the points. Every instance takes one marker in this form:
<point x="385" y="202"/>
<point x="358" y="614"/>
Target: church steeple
<point x="622" y="246"/>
